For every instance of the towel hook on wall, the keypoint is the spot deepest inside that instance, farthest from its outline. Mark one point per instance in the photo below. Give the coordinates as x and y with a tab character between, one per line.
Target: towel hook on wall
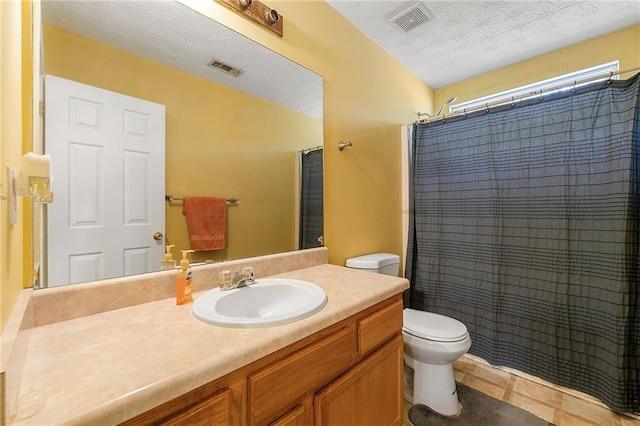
342	145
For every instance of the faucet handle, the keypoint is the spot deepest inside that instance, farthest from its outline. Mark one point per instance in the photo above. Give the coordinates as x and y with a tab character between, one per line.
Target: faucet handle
225	279
247	272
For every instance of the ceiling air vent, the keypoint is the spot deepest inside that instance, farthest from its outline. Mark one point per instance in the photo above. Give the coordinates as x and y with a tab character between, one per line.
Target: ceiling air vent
221	66
411	17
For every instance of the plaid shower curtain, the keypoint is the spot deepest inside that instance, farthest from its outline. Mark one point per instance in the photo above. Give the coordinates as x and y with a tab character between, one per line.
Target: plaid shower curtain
311	200
525	226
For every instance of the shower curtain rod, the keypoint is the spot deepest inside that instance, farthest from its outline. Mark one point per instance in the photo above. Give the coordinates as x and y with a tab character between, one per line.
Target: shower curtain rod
507	99
315	148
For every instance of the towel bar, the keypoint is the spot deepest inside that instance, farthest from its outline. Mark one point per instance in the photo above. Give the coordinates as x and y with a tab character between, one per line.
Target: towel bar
170	198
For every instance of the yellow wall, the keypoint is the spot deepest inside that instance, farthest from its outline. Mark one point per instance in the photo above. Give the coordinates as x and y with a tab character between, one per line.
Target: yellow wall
623	45
11	237
219	142
368	95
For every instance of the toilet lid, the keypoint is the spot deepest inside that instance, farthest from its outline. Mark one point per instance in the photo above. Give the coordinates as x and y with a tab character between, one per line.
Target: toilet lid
428	325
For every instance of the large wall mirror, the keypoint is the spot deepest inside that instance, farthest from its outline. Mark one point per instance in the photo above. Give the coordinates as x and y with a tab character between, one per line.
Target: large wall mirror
236	130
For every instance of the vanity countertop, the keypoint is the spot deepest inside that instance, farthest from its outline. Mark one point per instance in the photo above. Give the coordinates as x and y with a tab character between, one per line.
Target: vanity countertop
109	367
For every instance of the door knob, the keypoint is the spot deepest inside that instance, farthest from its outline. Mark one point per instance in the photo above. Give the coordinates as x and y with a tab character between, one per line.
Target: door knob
158	236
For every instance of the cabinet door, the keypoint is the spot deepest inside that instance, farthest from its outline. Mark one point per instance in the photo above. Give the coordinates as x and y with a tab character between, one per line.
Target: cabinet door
369	394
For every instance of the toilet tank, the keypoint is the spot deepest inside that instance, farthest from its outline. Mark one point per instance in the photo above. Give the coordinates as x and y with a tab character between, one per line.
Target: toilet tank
381	263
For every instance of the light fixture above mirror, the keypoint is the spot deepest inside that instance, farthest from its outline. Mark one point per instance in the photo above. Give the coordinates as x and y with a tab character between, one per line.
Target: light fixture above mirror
259	13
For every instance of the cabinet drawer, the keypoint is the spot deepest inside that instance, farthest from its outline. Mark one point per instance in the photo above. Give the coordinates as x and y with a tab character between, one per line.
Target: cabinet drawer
198	407
210	412
379	327
279	386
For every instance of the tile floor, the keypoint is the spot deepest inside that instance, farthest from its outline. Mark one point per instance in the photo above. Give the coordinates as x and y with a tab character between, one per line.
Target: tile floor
561	406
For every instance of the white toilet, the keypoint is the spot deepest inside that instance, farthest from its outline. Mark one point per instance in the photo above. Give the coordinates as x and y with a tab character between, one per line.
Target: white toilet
431	343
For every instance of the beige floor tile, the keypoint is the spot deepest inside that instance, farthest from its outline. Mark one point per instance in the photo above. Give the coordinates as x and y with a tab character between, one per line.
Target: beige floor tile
407	407
627	421
535	391
497	377
536	408
483	386
562	407
557	416
459	375
559	400
569	420
464	364
588	411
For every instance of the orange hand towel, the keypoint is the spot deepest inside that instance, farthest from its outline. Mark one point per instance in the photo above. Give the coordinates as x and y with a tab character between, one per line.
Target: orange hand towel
206	222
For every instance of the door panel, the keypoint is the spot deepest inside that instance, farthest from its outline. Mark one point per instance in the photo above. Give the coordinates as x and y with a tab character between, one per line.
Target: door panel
107	165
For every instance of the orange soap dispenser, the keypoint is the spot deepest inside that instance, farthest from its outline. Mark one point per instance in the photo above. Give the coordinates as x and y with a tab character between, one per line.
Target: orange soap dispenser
183	286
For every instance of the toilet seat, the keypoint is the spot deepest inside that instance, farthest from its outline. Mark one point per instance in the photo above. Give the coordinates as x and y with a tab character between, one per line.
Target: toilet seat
430	326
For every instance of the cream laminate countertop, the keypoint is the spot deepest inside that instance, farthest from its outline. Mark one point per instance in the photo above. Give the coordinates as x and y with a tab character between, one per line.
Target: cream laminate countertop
109	367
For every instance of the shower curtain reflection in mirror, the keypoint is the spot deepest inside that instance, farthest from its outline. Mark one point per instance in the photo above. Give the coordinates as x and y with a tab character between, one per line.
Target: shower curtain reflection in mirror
311	199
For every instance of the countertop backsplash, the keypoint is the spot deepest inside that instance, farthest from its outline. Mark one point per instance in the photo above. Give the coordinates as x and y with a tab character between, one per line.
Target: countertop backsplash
79	300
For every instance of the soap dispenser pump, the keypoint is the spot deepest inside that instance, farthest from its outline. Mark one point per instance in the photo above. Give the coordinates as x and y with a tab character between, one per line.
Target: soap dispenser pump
168	262
183	286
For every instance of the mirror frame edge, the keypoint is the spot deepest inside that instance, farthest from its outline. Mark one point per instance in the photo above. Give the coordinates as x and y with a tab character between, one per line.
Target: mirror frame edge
33	270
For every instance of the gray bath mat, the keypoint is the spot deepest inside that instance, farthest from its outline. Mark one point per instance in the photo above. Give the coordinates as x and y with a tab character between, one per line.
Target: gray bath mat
478	409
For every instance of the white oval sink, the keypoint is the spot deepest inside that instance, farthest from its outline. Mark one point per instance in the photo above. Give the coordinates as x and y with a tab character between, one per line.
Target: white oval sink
266	302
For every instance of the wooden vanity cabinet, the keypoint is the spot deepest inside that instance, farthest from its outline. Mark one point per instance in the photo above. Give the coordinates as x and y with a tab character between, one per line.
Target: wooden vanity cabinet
348	374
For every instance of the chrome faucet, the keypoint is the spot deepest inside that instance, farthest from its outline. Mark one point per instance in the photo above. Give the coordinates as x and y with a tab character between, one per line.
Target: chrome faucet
240	279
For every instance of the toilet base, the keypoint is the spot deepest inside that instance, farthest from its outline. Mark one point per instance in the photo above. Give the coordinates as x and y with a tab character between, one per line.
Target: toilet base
408	383
435	387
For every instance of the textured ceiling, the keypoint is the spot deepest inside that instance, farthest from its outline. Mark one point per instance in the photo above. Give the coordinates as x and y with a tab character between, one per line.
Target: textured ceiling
172	34
467	38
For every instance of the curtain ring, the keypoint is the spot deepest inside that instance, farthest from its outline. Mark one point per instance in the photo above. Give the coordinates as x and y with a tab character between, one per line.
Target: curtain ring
574	86
609	79
513	104
465	113
487	107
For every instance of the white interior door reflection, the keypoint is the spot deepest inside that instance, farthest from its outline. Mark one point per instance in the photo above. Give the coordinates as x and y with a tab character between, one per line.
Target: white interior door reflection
108	155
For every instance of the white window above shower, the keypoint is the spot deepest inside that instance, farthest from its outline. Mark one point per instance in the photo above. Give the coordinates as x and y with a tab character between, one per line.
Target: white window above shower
545	86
